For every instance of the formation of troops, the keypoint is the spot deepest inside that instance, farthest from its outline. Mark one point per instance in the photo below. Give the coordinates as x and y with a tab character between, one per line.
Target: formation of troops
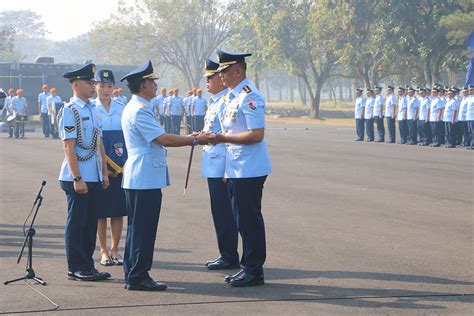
115	166
426	116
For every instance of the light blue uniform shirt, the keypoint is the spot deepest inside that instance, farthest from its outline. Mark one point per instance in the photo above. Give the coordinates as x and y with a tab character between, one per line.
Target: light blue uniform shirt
470	108
369	108
176	105
111	120
20	105
379	100
160	103
412	104
154	105
91	170
8	105
42	99
245	110
424	107
122	99
359	105
436	105
52	100
402	106
390	102
199	106
451	106
167	104
146	166
463	109
187	105
213	156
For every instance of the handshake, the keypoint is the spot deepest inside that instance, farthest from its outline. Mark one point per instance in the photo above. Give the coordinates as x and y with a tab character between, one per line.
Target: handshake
208	138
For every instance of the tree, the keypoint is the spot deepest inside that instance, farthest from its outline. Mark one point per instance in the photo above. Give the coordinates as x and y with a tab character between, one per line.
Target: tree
301	36
179	33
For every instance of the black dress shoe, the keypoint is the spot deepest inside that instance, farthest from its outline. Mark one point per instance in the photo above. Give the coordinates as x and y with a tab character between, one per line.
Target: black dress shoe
83	275
221	264
212	261
245	279
101	275
147	285
229	277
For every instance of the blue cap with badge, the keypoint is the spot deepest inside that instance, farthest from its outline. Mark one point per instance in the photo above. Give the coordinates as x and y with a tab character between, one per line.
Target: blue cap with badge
104	76
211	68
145	71
227	59
84	73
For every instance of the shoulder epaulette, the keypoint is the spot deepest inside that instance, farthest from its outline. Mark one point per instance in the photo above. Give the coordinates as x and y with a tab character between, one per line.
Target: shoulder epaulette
247	89
143	104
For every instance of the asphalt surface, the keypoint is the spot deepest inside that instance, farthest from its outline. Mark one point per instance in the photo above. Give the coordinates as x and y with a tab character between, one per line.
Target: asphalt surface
352	228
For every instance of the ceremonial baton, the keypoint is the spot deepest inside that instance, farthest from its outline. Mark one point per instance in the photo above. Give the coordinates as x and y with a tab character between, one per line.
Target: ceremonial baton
189	165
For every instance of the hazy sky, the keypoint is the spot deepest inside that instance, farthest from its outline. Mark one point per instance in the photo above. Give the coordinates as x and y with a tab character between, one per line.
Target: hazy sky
66	18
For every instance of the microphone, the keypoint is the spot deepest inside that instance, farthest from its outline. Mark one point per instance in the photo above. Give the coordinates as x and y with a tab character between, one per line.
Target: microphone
38	196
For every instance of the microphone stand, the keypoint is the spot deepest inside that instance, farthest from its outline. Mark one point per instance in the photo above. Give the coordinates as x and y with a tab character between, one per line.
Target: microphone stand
30	273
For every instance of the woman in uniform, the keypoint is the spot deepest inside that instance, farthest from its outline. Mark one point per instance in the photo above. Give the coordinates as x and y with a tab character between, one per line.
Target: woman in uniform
111	202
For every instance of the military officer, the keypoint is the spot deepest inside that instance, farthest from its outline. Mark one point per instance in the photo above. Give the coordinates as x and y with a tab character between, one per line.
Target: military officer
470	115
160	100
359	114
413	105
82	170
53	101
199	109
20	106
43	110
390	104
424	130
402	115
369	115
435	112
213	168
111	202
466	141
145	174
378	113
450	118
9	112
176	111
187	111
166	109
247	163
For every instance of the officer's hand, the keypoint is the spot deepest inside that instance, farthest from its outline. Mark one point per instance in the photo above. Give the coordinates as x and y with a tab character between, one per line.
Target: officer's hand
105	182
80	187
218	138
194	134
204	139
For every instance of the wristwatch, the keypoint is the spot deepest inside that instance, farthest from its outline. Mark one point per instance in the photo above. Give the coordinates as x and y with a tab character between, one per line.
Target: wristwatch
78	178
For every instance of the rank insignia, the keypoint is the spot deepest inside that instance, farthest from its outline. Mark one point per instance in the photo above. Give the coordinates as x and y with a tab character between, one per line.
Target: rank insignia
105	74
252	105
69	129
118	149
247	89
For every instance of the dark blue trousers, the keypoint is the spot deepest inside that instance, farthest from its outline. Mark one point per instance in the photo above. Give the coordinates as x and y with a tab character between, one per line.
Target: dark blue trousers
224	220
246	198
81	226
369	128
143	209
412	132
45	124
189	124
360	128
424	132
391	129
435	132
380	128
450	132
176	124
162	121
442	133
466	137
459	133
470	127
403	128
168	127
198	123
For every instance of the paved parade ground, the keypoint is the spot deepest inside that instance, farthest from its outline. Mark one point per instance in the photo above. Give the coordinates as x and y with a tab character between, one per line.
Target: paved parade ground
352	228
